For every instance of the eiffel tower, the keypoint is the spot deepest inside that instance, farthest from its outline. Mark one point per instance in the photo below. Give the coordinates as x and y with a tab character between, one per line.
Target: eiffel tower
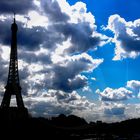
13	84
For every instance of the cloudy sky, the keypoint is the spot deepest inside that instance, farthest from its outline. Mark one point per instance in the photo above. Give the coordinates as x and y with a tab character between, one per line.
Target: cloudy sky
75	57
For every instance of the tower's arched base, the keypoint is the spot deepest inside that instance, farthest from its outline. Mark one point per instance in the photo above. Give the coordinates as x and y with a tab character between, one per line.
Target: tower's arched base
13	113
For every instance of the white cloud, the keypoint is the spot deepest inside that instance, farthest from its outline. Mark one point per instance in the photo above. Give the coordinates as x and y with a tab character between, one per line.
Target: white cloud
53	102
113	106
114	109
56	102
36	19
134	85
86	89
77	12
126	37
93	78
110	94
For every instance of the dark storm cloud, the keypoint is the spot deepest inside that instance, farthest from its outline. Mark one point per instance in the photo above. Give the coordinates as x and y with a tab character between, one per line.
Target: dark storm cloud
31	57
16	6
65	80
80	35
61	78
53	11
5	34
30	38
36	37
66	77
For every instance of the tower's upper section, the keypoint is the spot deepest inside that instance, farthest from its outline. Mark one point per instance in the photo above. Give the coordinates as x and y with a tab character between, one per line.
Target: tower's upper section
14	26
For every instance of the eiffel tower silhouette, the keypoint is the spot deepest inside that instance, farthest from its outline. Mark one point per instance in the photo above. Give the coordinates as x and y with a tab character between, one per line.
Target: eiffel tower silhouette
13	84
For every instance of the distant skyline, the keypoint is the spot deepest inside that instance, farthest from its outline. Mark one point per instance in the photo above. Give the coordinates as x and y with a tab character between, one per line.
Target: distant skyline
75	57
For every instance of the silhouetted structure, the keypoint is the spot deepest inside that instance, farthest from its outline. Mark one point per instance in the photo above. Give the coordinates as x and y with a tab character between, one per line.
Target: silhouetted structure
13	84
69	128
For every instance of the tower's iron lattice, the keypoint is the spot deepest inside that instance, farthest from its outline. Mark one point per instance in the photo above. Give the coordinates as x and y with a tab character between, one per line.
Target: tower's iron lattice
13	84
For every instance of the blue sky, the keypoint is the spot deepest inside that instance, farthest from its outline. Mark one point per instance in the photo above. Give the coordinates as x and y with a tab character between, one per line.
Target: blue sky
75	57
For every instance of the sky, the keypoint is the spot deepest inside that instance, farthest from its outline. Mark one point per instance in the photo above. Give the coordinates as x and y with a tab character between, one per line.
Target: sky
75	57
